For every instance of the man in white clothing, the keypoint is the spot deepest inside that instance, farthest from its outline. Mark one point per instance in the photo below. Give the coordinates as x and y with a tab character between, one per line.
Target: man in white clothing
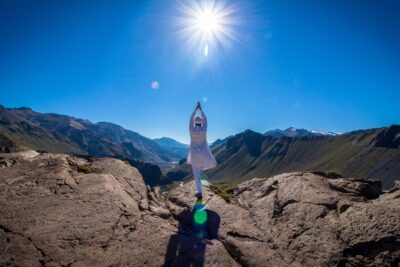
200	156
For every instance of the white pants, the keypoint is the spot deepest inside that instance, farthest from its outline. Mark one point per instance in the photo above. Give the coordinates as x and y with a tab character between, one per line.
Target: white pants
197	179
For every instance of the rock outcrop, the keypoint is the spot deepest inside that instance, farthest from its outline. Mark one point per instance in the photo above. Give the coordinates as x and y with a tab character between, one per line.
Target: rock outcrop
58	210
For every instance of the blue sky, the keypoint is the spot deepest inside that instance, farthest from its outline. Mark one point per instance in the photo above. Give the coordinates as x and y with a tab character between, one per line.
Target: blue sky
323	65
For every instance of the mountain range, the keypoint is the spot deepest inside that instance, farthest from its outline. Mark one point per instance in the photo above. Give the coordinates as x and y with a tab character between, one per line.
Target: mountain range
278	133
23	128
373	153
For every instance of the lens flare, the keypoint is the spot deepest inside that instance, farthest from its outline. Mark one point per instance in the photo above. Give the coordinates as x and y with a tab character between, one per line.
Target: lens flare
200	216
200	213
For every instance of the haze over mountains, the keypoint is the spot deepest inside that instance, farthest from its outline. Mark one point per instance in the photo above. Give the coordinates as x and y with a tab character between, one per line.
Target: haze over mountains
174	146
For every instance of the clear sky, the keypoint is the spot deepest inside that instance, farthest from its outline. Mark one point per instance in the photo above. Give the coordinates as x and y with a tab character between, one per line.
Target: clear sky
323	65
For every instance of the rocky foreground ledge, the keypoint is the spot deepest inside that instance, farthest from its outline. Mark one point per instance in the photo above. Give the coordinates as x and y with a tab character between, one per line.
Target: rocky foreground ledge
58	210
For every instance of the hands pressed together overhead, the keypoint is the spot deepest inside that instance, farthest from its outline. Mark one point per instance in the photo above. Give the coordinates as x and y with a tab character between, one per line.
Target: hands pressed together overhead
198	105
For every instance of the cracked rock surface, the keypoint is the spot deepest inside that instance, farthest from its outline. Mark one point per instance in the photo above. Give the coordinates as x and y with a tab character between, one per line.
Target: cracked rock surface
52	214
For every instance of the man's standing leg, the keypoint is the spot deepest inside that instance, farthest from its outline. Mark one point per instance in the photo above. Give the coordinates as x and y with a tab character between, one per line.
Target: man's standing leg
197	179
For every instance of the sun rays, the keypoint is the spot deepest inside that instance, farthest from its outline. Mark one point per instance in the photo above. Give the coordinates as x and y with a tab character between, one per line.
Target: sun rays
206	27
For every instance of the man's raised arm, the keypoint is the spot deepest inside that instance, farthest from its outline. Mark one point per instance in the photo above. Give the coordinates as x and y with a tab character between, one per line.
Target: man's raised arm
191	119
204	118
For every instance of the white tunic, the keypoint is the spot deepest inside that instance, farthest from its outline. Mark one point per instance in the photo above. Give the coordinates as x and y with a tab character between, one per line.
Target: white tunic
199	153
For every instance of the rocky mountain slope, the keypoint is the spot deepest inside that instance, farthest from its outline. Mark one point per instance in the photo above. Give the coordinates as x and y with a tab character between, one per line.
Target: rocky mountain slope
23	128
58	210
373	154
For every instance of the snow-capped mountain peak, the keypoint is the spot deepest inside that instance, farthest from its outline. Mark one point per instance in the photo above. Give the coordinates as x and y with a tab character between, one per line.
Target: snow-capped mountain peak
295	132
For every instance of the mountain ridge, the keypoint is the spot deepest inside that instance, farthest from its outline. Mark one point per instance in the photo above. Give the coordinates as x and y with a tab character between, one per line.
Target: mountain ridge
298	132
25	128
374	154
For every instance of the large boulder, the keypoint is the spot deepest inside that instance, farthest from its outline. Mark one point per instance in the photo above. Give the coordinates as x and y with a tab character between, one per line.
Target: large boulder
57	210
302	219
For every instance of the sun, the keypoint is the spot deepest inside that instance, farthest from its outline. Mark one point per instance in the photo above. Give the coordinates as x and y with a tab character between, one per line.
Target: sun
206	26
208	21
209	25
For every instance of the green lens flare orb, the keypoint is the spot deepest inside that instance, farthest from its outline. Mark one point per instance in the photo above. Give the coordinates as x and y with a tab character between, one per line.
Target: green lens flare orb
200	216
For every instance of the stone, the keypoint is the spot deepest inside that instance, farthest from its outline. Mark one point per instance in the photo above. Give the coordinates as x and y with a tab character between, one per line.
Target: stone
53	215
302	219
161	212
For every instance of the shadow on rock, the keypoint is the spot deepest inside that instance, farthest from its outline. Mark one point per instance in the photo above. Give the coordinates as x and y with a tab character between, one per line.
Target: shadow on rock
197	227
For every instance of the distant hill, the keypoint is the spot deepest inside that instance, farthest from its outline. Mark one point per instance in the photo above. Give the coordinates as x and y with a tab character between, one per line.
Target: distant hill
174	146
22	128
374	154
294	132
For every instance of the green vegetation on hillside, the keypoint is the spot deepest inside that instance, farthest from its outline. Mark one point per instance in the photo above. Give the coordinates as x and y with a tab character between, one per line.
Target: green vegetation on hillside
85	169
328	174
224	190
126	162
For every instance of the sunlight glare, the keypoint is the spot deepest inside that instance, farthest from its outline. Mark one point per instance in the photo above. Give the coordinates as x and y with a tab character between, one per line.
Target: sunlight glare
206	26
208	21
